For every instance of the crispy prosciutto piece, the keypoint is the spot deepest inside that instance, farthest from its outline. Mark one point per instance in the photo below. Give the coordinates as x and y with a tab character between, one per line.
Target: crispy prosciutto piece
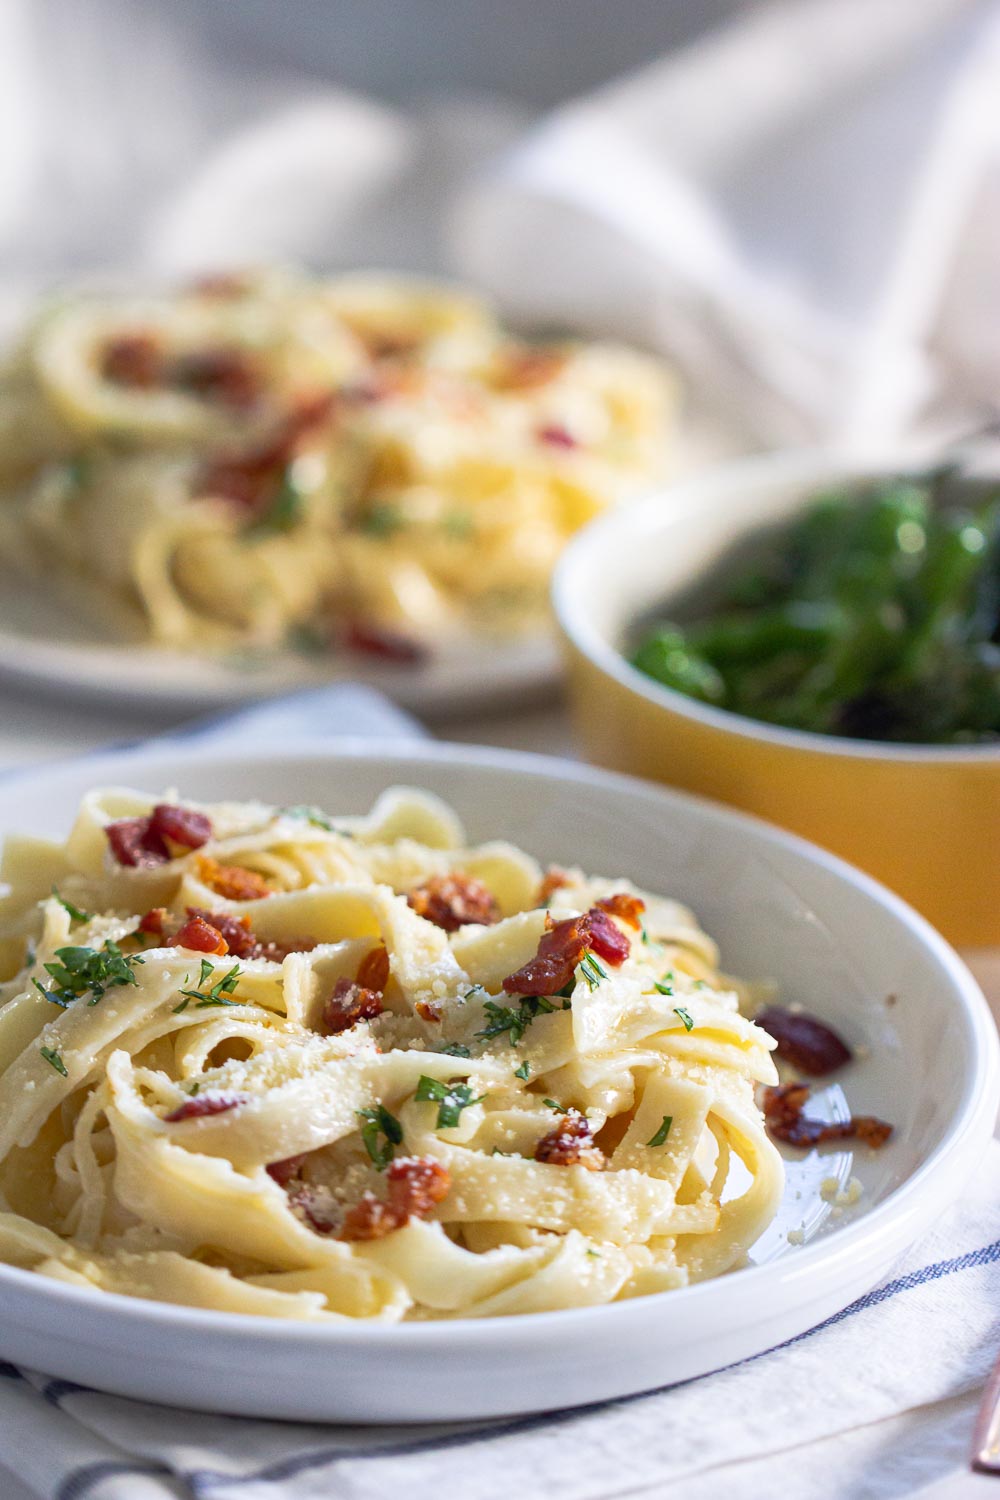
243	942
236	931
314	1207
559	951
349	1004
373	640
165	833
373	971
132	359
232	882
454	900
359	999
557	436
250	478
803	1041
202	1105
179	825
416	1184
527	369
571	1144
227	931
607	940
285	1171
562	947
220	374
553	880
783	1114
625	906
226	376
200	936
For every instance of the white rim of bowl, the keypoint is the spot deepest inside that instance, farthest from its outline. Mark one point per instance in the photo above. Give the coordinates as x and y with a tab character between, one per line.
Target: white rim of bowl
573	585
841	1248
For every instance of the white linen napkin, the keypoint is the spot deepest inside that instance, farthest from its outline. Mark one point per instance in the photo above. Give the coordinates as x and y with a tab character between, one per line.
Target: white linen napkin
874	1402
802	209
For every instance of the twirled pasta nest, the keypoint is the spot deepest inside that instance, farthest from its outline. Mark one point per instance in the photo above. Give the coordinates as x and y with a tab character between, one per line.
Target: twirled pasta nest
271	1061
270	460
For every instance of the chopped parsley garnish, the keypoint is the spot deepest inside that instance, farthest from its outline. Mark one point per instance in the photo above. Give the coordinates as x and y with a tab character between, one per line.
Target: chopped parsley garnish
513	1021
284	511
379	1122
594	1254
74	912
665	986
560	1109
457	524
685	1016
523	1071
450	1098
313	815
83	969
662	1133
77	471
644	934
592	971
382	520
54	1060
455	1049
218	994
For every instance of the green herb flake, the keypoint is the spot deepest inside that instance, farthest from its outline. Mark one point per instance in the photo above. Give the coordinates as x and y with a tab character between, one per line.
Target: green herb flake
450	1098
594	1255
379	1122
685	1016
53	1059
514	1021
664	986
560	1109
523	1071
664	1130
74	912
284	512
592	971
455	1049
219	993
311	815
382	520
80	971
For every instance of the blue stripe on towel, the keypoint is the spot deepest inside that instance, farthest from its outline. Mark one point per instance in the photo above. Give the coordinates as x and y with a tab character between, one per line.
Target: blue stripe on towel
202	1481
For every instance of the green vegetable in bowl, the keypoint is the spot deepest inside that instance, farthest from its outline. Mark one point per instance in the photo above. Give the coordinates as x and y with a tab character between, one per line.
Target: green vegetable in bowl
876	616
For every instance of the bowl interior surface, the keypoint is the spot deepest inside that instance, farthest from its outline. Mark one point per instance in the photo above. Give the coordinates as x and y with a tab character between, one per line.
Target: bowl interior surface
829	939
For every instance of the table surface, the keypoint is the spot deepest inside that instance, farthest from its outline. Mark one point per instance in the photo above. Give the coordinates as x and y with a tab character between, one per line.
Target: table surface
36	729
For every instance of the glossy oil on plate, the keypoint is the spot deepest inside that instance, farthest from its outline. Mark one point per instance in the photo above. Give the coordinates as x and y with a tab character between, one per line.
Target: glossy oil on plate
47	645
830	938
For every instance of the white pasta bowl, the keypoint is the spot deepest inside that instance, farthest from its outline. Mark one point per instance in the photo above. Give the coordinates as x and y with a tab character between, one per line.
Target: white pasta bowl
830	937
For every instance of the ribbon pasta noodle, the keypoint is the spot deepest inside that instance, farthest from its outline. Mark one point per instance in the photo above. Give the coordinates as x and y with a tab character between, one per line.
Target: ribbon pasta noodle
270	460
272	1061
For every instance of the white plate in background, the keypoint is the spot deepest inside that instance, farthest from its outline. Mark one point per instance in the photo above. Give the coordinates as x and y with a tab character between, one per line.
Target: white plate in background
47	646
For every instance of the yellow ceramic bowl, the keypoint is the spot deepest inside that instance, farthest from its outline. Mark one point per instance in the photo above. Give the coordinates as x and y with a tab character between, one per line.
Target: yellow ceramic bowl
926	820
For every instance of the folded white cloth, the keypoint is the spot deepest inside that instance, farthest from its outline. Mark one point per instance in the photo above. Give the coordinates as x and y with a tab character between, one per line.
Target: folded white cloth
874	1402
802	209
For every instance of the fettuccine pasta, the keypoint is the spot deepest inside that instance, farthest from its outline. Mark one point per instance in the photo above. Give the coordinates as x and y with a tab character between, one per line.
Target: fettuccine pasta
272	460
266	1060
